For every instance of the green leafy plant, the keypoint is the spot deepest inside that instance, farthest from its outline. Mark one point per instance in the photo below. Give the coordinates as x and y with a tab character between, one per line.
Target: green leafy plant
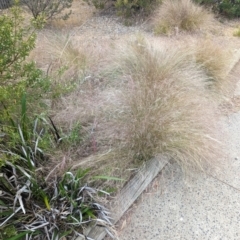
48	9
37	206
126	7
129	7
74	136
19	78
228	8
54	209
16	74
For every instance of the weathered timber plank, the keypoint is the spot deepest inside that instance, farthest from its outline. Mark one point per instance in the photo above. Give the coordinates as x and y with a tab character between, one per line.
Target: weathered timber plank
131	192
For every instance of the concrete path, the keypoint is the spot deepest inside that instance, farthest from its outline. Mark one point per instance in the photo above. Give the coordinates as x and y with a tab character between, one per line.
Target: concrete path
198	208
201	207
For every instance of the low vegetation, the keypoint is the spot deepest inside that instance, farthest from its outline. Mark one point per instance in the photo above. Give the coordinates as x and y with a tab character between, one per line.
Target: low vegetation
226	8
60	60
180	15
48	9
72	109
36	202
126	8
166	108
216	61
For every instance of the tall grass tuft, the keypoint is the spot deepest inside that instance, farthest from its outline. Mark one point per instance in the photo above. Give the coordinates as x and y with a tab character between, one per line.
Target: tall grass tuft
181	15
63	62
216	61
165	105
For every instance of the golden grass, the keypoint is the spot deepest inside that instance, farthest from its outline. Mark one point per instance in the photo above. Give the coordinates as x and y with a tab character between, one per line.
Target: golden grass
217	61
157	102
55	49
165	108
80	13
177	15
154	102
63	62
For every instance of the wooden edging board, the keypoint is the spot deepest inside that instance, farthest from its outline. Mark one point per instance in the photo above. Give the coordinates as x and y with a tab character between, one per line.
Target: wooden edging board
132	190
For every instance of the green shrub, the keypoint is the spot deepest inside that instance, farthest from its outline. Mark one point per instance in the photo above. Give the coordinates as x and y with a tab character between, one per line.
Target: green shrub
19	79
16	74
48	9
228	8
126	7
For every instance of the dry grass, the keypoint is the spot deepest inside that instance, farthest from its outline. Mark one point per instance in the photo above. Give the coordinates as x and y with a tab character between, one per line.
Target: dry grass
157	102
217	61
177	15
56	49
64	63
154	102
165	108
80	13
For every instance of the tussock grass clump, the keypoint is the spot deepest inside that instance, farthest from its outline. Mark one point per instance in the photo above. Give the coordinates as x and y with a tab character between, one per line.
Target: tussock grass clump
57	56
80	12
181	15
166	107
55	50
216	61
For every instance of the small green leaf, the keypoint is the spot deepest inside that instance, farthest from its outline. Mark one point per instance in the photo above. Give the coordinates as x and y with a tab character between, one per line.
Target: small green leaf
108	178
19	236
